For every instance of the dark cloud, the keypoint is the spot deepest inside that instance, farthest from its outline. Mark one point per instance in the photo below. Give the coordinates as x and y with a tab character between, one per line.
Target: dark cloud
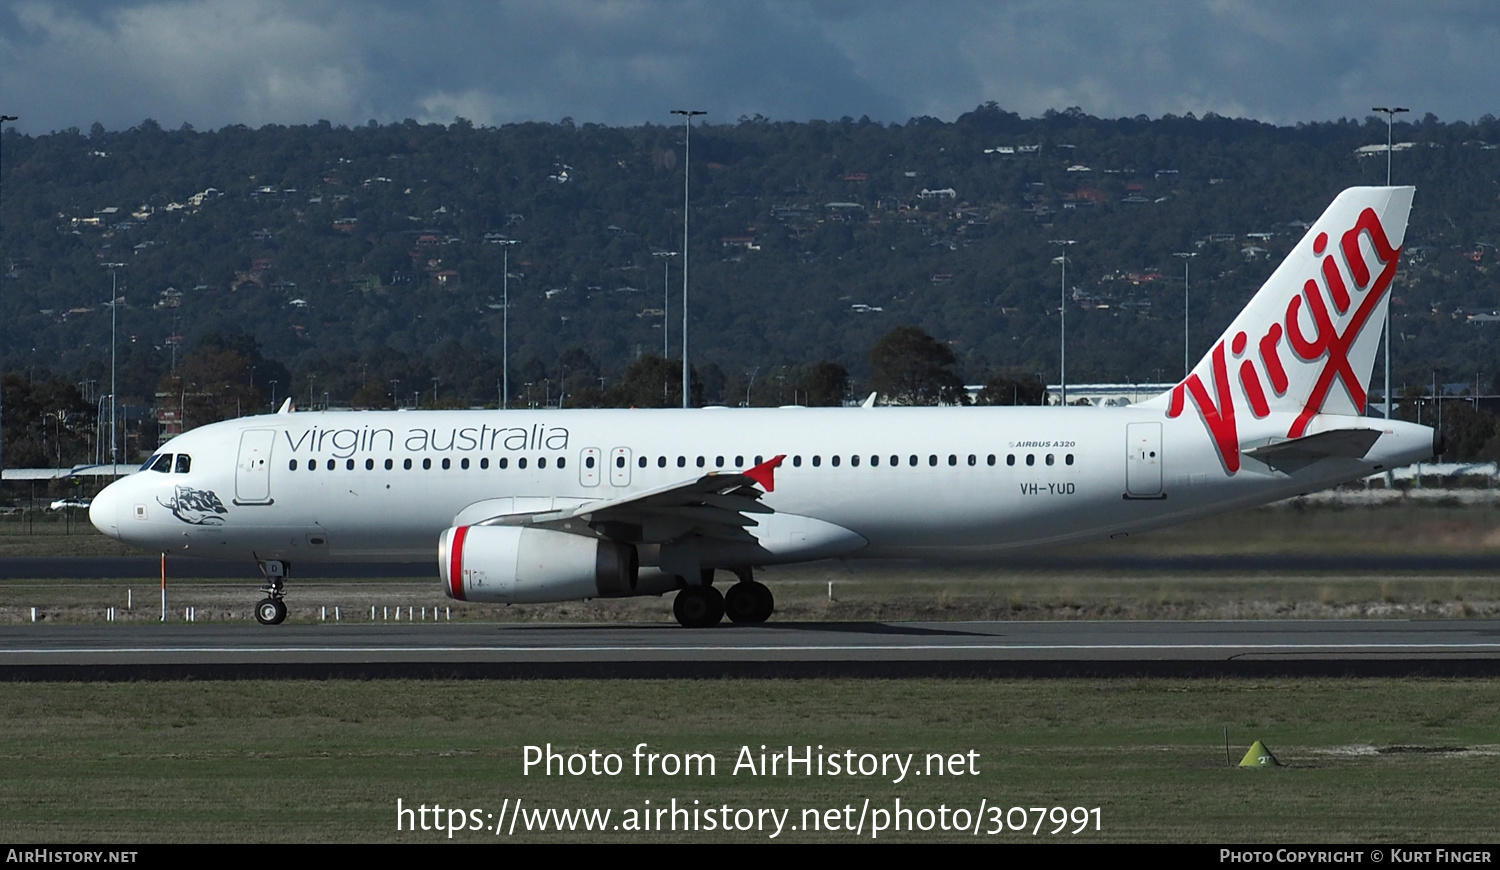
216	62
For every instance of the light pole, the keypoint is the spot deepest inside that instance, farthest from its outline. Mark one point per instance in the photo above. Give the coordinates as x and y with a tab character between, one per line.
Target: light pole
687	156
666	299
1187	361
1390	122
1062	312
114	307
505	328
3	119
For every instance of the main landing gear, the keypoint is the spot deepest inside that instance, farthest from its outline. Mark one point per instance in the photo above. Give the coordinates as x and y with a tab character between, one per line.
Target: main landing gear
272	609
747	602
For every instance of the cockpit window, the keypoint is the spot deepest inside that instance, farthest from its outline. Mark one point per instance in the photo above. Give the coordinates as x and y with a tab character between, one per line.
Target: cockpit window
184	463
163	463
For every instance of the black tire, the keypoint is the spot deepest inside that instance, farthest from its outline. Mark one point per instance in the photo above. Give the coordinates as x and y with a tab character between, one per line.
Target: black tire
270	611
765	602
749	603
698	607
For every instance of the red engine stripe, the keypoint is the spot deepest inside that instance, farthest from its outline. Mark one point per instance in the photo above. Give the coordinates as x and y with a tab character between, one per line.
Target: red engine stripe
456	562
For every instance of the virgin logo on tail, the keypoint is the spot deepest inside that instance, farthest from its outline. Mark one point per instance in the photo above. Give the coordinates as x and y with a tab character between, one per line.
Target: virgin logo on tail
1297	342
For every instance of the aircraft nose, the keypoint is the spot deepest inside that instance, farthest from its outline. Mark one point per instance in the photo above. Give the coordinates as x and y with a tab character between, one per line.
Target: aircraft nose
104	512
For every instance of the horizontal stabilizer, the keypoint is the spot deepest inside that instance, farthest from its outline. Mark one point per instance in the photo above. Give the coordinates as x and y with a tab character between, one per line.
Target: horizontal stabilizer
1298	453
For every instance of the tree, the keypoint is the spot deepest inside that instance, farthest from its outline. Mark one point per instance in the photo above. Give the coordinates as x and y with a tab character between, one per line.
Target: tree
824	385
653	382
213	384
910	367
1006	390
47	423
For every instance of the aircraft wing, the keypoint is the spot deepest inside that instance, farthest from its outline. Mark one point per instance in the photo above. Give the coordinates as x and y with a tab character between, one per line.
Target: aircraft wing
1298	453
716	505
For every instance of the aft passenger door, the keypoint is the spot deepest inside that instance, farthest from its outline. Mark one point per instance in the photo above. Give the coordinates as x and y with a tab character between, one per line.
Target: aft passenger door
1143	460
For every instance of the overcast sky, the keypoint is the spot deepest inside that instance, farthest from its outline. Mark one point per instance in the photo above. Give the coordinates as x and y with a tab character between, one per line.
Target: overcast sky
210	63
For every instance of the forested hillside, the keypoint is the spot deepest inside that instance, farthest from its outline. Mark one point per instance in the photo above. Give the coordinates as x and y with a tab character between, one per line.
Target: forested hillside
364	265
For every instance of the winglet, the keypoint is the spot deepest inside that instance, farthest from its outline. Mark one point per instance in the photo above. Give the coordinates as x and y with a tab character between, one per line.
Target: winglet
765	473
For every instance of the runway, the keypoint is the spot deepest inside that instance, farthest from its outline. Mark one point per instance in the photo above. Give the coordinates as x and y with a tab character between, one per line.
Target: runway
775	650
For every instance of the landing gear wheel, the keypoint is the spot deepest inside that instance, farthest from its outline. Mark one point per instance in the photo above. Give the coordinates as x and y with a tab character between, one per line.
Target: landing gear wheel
749	602
698	607
270	611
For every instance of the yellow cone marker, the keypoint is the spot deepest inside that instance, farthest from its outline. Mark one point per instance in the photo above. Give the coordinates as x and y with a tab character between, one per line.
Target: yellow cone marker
1259	756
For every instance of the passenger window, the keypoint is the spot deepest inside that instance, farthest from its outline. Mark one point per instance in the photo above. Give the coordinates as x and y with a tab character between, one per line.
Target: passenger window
797	461
701	462
1049	458
640	463
292	466
349	465
332	465
521	463
739	462
562	462
426	464
1068	459
661	462
503	463
184	463
406	464
388	464
484	462
853	461
588	462
464	463
973	460
817	461
952	460
932	459
541	462
758	459
913	462
874	461
682	462
718	462
835	461
1010	459
895	461
369	465
447	463
619	462
1031	459
992	459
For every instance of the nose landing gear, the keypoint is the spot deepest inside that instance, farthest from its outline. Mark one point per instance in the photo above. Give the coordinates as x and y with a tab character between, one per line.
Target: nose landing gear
272	609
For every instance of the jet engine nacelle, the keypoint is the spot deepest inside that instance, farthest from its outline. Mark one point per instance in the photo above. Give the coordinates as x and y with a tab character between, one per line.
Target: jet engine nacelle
521	564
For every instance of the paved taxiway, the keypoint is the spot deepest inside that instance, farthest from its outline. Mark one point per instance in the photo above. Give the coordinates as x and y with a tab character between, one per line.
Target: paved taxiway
376	650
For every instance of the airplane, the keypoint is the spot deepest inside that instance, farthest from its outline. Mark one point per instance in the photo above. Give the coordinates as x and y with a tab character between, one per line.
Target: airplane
552	505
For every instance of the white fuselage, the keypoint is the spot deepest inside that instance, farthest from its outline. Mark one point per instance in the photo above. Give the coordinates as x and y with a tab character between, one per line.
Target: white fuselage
908	482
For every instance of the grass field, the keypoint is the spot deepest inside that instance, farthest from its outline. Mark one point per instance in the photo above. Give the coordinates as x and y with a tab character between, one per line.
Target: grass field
855	590
1407	761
